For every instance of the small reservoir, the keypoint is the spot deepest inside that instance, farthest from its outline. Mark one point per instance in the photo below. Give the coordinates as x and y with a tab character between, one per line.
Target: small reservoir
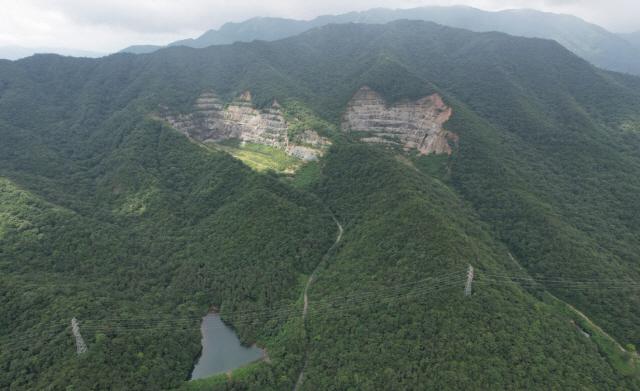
221	349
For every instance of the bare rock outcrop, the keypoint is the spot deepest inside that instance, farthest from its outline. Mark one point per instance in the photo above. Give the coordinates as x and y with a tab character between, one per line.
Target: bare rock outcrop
410	125
210	121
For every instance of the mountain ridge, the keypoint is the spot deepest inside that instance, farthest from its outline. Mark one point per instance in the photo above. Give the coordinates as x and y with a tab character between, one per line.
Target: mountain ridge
545	168
588	40
632	38
18	52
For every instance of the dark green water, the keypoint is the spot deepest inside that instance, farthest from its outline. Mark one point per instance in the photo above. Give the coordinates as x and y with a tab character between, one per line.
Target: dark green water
221	349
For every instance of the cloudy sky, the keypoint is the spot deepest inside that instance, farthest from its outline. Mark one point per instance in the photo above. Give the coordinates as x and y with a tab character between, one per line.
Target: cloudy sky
109	25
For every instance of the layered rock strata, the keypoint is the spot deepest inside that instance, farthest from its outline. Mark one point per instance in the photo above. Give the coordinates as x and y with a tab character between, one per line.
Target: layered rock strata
416	125
210	121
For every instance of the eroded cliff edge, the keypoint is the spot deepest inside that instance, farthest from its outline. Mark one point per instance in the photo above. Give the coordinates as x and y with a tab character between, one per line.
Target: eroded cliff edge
411	125
211	121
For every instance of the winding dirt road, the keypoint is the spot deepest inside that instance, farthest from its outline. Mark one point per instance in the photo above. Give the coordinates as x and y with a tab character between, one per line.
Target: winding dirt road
305	307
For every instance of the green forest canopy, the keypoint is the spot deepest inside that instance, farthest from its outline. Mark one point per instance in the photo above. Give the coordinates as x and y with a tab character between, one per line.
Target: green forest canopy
108	214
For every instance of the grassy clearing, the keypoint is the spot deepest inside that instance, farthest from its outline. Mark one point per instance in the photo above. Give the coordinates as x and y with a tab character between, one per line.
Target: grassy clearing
307	175
260	157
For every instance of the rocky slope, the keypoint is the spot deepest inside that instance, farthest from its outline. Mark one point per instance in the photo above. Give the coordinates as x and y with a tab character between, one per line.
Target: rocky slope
410	125
210	121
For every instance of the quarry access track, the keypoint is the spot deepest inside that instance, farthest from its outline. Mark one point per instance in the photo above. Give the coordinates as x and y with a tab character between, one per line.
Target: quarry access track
305	307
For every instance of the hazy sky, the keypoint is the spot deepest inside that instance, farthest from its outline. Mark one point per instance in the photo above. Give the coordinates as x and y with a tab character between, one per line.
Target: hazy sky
109	25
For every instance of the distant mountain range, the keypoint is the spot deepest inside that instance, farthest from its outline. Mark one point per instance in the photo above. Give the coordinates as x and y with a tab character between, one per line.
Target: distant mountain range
589	41
17	52
632	38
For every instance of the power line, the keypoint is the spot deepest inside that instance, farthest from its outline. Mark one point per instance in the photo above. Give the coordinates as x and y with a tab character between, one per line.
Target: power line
291	310
561	280
337	308
447	276
329	305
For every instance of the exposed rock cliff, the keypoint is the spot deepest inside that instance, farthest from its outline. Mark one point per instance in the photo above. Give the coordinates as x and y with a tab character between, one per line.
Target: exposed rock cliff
210	121
410	125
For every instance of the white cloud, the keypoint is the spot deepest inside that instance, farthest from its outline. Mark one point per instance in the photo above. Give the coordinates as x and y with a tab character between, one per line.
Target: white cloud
109	25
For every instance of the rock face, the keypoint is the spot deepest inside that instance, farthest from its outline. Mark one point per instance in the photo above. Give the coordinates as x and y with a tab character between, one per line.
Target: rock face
410	125
210	121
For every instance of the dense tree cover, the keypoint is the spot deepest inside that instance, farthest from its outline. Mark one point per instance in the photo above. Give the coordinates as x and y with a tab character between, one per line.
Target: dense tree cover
169	230
110	216
402	226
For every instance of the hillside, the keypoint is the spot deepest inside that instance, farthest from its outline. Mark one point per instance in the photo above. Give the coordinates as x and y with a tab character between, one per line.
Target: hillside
268	29
18	52
632	38
140	49
591	42
113	216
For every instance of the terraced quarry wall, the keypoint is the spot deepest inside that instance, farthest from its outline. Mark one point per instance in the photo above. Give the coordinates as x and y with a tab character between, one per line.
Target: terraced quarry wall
416	125
210	121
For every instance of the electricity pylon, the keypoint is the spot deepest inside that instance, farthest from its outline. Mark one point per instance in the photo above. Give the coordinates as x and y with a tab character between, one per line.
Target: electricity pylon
467	288
81	347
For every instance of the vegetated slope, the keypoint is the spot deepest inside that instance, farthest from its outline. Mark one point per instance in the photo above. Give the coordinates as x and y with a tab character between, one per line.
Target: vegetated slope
546	167
632	38
137	232
141	49
267	29
557	179
405	321
18	52
591	42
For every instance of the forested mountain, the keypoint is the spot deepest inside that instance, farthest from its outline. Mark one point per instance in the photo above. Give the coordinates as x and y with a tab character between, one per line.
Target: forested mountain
632	38
141	49
111	215
17	52
589	41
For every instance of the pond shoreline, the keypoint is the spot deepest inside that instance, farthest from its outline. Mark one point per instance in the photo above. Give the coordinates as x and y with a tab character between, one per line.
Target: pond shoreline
221	350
